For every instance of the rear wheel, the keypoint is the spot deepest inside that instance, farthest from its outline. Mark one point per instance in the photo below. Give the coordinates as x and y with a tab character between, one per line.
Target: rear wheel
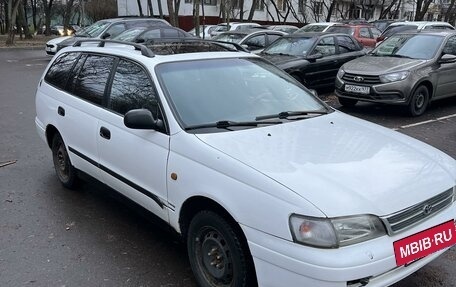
216	251
65	171
419	101
347	102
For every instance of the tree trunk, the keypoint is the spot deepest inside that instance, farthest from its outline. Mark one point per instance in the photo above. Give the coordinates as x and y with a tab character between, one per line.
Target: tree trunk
160	9
330	10
140	8
170	4
33	5
67	15
241	10
449	11
13	6
48	13
149	6
422	7
252	10
196	17
22	20
176	12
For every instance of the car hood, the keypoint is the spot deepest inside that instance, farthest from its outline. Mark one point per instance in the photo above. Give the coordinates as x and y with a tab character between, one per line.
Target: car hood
283	60
341	164
372	65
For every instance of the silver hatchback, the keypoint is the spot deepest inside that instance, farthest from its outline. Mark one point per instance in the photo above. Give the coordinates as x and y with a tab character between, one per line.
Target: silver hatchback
410	69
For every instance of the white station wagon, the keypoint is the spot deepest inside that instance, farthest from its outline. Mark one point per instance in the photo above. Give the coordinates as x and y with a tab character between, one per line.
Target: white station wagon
267	185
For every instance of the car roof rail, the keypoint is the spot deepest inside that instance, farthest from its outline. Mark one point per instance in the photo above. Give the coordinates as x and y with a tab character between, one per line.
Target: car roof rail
101	43
204	44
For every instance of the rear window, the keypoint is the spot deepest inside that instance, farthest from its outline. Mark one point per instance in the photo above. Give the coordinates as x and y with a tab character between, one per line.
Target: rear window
391	30
57	74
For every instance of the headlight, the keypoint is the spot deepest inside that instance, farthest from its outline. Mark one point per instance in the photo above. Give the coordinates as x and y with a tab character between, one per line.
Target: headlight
394	77
335	232
341	73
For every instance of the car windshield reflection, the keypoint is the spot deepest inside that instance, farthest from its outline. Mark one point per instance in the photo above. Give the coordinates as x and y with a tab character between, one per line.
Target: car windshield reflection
413	46
292	46
227	90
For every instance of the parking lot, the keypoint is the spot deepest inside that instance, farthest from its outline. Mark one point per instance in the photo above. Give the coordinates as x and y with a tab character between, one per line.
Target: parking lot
50	236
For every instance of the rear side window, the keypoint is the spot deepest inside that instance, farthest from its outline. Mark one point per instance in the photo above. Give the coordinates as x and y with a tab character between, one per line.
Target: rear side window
132	89
57	74
364	33
91	81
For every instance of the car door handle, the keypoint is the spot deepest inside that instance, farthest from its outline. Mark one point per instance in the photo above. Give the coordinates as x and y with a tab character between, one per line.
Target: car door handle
105	133
61	111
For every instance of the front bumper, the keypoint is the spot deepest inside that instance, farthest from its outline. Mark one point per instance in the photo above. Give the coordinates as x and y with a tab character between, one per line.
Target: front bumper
51	49
396	93
280	262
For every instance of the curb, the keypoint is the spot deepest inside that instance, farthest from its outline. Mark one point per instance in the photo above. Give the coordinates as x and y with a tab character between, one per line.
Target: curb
23	48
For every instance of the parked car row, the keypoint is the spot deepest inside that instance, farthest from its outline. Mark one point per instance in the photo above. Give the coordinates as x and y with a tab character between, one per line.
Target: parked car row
265	183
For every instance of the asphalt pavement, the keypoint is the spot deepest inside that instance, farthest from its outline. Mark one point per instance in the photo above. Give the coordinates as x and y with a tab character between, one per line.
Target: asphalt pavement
50	236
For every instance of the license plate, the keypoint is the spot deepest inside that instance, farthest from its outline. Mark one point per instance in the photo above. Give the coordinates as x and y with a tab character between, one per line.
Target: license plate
357	89
424	243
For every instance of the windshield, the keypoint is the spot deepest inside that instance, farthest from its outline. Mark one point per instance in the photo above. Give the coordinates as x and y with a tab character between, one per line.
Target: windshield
237	90
129	35
414	46
228	37
93	30
291	46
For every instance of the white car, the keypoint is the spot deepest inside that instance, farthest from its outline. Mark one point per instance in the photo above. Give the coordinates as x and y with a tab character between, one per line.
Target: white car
51	45
205	31
316	27
234	26
267	185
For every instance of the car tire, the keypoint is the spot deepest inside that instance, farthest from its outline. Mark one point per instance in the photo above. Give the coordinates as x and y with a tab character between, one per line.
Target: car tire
66	172
218	256
347	102
419	101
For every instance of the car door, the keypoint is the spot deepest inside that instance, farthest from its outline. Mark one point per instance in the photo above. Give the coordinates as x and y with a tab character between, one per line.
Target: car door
365	37
446	73
347	49
87	83
133	161
255	43
322	71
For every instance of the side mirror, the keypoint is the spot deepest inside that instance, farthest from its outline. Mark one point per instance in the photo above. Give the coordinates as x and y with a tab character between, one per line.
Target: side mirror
142	119
447	58
315	56
105	36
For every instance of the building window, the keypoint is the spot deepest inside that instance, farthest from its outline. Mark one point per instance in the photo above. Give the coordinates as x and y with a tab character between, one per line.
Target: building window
282	5
318	8
259	5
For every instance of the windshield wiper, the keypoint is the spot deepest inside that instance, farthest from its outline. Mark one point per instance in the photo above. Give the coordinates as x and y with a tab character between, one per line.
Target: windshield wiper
400	56
227	124
287	114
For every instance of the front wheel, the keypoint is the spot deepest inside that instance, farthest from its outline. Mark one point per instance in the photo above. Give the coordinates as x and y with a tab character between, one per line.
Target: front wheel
65	171
419	101
216	251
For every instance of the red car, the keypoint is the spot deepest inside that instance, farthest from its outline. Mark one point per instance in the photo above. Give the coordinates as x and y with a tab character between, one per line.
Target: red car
366	34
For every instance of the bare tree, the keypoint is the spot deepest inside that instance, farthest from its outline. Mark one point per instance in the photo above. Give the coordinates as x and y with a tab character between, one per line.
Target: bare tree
12	9
67	15
252	10
47	5
173	11
149	6
450	11
140	8
160	8
22	24
101	9
422	7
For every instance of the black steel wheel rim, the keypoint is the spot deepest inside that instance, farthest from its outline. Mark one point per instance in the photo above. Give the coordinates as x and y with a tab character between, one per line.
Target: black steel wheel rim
213	256
61	162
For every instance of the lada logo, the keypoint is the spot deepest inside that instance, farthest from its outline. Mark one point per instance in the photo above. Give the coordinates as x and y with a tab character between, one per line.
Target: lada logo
427	209
358	79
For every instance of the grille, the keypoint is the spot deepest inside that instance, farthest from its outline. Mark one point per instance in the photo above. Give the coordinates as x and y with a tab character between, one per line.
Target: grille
371	80
415	214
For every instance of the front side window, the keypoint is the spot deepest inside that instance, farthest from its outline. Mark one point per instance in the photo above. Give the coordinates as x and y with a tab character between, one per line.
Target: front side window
58	73
91	82
93	30
116	29
450	46
207	91
325	46
132	89
346	44
256	42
